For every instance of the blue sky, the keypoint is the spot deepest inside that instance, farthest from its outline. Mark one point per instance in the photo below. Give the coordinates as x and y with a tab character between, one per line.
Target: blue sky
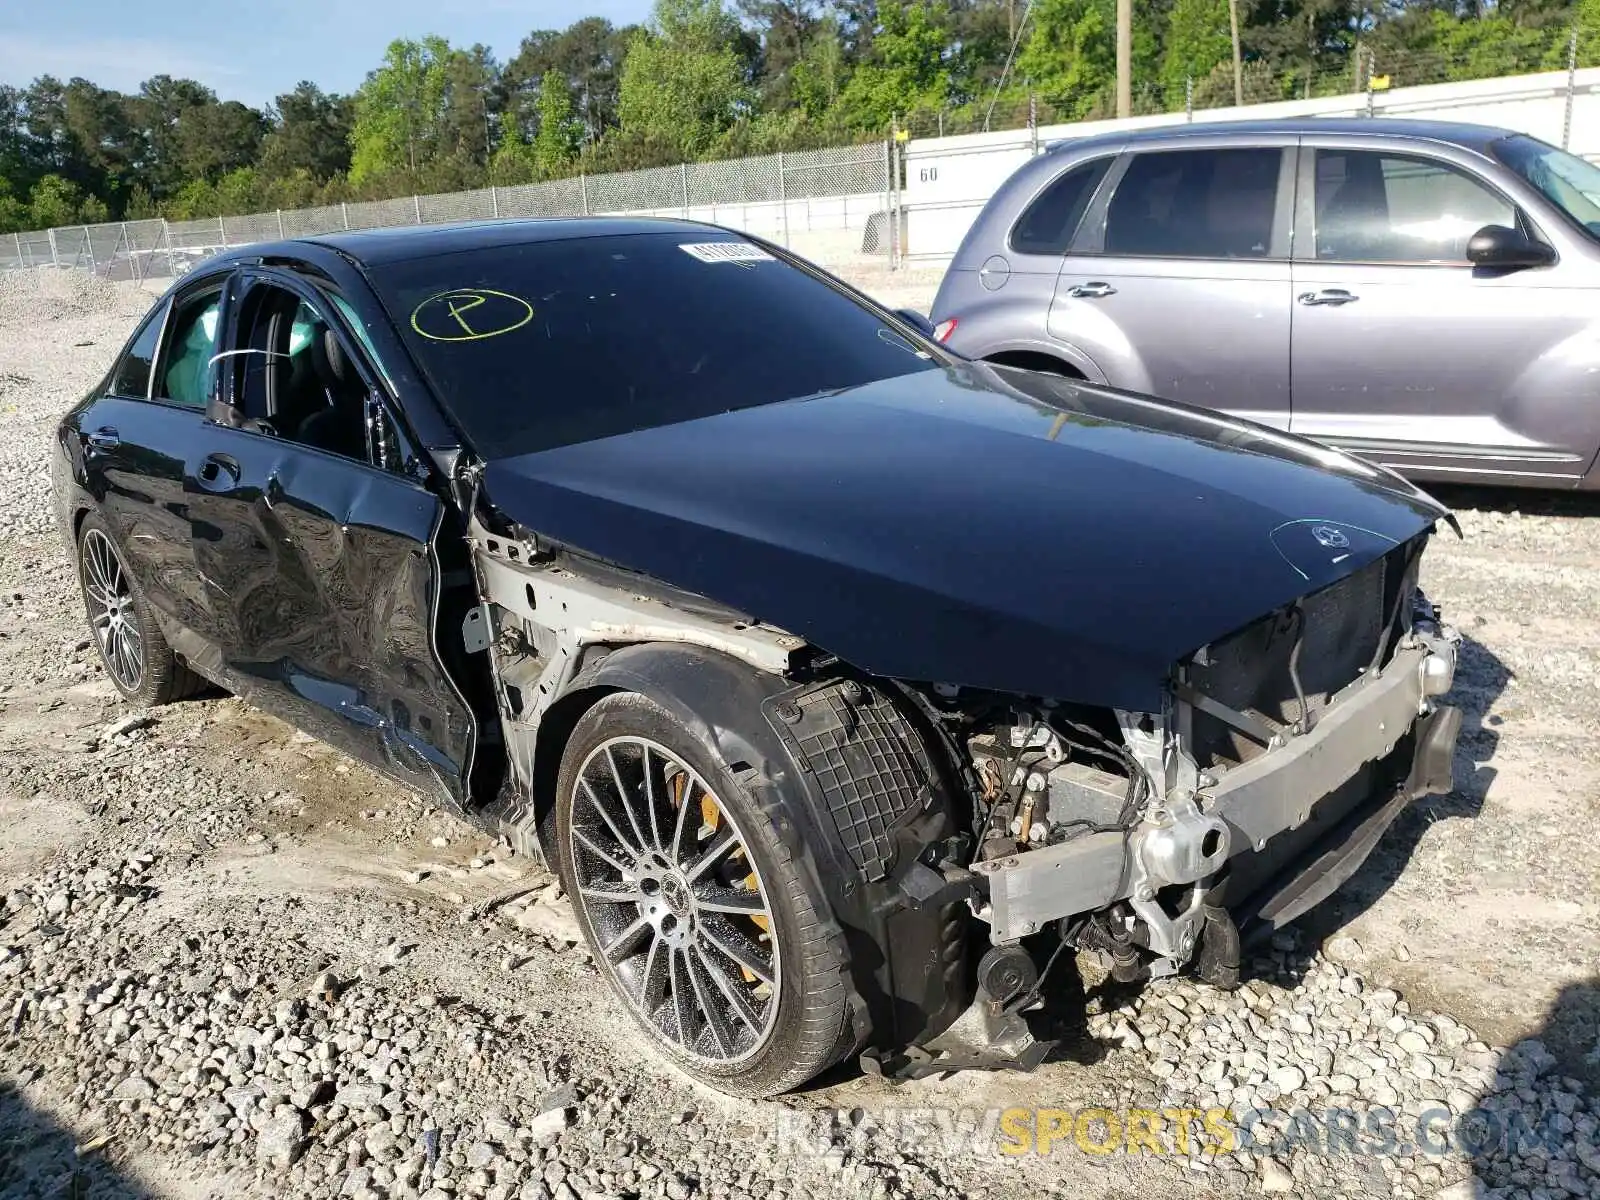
253	52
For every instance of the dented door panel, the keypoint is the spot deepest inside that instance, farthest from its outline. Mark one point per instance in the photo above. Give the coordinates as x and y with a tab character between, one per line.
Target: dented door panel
321	582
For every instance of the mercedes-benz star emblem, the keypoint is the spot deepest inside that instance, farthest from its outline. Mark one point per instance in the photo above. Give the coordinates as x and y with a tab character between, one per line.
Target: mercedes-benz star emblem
1333	539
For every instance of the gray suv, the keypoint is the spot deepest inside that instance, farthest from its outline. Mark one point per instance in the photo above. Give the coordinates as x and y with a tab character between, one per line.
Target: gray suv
1422	293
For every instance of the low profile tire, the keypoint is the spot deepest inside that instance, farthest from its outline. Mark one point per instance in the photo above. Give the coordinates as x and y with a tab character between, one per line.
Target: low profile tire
694	908
136	657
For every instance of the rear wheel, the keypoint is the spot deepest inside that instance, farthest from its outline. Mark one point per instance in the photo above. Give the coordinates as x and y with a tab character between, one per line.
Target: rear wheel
136	657
693	906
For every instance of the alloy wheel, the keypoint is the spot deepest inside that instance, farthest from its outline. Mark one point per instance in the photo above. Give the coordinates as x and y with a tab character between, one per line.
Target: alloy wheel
674	901
110	600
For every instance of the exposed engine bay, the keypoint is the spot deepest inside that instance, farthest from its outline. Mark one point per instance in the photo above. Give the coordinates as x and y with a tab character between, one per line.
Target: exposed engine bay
1143	843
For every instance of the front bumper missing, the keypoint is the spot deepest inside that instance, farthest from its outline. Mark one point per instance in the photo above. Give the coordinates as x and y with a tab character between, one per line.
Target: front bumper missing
1256	802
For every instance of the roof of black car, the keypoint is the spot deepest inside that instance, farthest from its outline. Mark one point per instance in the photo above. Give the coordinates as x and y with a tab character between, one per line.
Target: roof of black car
1455	132
398	243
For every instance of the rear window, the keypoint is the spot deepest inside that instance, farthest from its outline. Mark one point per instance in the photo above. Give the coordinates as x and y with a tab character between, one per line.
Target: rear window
547	344
1048	223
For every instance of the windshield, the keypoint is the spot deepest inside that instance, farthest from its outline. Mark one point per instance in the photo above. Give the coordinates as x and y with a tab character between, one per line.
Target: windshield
1567	181
551	343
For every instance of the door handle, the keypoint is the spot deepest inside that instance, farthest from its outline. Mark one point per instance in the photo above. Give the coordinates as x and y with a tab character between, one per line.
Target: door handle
1333	296
1092	291
102	439
219	471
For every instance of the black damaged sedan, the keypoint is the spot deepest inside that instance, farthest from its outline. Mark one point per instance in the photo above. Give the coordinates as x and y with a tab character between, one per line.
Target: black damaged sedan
865	698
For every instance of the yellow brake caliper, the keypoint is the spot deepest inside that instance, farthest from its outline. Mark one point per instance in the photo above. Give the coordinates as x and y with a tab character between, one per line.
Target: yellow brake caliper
710	818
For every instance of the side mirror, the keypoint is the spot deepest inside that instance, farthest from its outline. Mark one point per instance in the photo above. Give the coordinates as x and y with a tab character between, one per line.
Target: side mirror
1505	249
917	320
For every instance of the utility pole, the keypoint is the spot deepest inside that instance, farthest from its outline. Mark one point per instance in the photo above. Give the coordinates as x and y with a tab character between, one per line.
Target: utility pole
1124	58
1238	59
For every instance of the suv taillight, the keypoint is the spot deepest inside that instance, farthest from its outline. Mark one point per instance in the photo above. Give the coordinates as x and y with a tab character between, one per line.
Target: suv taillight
943	330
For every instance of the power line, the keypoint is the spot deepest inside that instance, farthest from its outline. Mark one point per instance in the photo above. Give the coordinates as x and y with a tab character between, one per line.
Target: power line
1005	72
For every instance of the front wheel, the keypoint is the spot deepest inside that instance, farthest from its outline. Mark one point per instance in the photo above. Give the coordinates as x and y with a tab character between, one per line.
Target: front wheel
694	907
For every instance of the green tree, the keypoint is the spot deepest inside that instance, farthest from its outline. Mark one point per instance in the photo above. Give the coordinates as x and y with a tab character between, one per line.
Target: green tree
1197	40
1069	55
54	201
192	201
140	205
103	138
683	81
470	107
14	147
161	112
398	111
14	214
909	68
239	192
513	163
784	29
310	133
556	143
589	53
818	79
214	139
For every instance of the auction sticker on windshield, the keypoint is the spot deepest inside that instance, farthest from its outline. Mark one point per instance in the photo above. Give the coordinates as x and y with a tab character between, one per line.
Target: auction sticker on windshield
470	314
719	252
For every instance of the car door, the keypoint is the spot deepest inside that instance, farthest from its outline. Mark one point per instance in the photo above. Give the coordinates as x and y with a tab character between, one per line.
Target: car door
314	531
1406	353
1178	282
135	437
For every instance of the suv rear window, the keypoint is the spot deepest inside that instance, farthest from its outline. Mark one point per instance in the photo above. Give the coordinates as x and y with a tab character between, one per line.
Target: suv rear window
1046	226
551	343
1196	204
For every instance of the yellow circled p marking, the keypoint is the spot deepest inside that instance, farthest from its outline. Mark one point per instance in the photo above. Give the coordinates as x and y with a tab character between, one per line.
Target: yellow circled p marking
458	302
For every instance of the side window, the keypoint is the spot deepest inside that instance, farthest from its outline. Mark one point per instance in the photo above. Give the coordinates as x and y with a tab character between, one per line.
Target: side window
355	323
1195	204
1373	207
1046	226
132	377
184	376
297	378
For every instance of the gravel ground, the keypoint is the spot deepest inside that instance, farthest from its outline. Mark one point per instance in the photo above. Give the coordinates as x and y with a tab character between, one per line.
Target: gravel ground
233	963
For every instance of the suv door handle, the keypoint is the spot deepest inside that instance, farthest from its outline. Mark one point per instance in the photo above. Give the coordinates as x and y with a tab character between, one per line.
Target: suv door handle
1092	291
1333	296
104	438
218	471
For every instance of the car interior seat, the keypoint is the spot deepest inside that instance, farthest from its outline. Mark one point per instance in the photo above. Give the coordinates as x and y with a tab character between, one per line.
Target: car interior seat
1354	220
336	420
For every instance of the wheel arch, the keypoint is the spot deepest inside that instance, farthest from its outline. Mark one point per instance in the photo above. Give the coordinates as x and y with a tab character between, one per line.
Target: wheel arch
902	949
709	693
81	509
1036	360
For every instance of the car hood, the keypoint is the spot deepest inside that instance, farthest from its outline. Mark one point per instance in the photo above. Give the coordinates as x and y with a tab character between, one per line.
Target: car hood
976	526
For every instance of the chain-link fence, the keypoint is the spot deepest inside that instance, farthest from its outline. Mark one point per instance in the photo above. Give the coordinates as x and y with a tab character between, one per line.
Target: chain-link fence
828	205
1362	68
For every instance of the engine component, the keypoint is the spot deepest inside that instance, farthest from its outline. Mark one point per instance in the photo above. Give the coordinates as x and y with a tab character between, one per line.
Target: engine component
1005	973
1081	794
1217	961
1055	797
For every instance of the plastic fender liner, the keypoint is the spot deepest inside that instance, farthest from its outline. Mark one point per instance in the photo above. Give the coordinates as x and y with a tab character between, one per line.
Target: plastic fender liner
904	942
